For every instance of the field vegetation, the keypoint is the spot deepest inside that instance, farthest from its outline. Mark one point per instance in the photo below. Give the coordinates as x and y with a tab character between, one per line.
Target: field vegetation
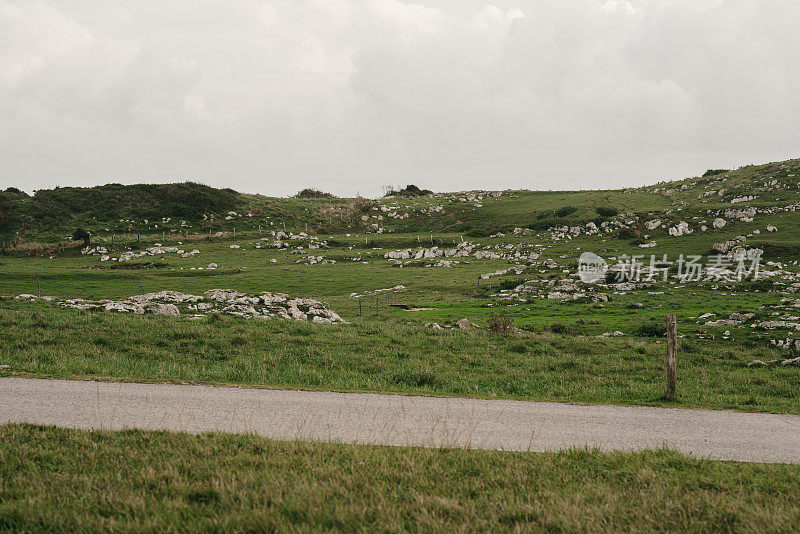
533	330
157	481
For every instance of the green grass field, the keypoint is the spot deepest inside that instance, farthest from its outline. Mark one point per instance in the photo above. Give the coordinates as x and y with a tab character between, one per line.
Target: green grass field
60	480
384	354
557	352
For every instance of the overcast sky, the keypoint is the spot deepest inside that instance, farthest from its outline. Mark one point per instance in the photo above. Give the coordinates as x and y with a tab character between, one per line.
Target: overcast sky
348	96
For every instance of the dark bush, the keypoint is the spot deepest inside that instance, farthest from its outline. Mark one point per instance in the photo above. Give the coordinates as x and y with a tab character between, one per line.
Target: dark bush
651	330
518	348
762	284
410	190
142	201
778	251
500	324
714	172
565	210
81	234
604	211
628	233
510	284
310	192
8	204
562	329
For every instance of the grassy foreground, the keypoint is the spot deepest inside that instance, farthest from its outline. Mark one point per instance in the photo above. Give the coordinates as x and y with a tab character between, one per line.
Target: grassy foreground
71	481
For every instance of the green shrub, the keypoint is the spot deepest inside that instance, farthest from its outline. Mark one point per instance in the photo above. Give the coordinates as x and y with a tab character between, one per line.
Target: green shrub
510	284
188	200
81	234
565	210
310	192
652	330
410	190
562	329
604	211
628	233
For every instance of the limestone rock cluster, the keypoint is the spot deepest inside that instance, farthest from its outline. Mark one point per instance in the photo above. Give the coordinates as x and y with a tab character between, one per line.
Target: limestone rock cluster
221	301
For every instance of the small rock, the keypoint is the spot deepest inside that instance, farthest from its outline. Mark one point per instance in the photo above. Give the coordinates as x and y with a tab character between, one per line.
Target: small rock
463	324
756	363
793	361
163	309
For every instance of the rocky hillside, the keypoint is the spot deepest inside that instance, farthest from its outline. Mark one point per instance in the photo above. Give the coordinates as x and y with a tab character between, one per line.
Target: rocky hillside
188	207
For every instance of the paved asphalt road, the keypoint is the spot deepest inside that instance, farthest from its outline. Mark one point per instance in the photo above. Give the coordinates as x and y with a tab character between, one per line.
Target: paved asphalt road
399	420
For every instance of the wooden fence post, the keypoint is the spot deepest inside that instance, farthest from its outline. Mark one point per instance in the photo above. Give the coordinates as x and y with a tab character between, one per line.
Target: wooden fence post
672	356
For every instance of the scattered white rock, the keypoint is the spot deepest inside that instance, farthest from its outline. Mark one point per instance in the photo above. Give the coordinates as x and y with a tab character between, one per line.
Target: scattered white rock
222	301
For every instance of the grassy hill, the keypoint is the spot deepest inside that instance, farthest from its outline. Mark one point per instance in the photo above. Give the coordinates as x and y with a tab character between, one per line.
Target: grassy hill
575	342
51	214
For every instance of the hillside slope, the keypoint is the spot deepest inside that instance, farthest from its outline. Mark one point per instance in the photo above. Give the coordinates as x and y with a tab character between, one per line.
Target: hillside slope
55	212
188	207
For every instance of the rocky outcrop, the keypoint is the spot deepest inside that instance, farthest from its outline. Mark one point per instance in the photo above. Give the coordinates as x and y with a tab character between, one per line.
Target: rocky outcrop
220	301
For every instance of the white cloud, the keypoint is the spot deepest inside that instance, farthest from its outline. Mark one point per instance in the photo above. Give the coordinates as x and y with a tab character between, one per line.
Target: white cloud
349	95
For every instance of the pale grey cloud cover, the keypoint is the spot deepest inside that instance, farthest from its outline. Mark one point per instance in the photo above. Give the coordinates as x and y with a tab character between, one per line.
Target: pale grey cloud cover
345	95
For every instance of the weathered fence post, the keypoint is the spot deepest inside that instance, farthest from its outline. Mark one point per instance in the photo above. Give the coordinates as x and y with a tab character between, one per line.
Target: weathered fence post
672	356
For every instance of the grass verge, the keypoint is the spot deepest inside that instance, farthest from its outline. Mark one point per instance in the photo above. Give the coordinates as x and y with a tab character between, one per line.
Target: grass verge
62	480
383	356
